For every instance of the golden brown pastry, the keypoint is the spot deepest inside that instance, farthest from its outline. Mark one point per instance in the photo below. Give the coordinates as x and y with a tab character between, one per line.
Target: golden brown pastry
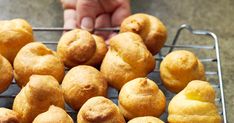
126	59
145	119
141	97
36	58
194	104
150	28
81	83
78	47
99	110
179	68
9	116
6	73
36	97
14	34
53	115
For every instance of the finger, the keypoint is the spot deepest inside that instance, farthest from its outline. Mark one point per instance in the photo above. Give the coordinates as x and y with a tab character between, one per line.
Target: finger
69	18
69	4
103	20
87	10
121	13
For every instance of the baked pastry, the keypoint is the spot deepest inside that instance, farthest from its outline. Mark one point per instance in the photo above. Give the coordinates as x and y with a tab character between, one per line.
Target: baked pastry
141	97
81	83
126	59
9	116
36	58
53	115
180	67
101	49
6	73
78	47
145	119
36	97
99	110
194	104
151	29
14	34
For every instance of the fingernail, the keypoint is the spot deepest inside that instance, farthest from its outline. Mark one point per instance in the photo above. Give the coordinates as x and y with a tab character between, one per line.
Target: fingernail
87	23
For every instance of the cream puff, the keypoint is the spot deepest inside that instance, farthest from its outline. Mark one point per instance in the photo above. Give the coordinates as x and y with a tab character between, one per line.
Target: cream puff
36	58
81	83
141	97
14	34
180	67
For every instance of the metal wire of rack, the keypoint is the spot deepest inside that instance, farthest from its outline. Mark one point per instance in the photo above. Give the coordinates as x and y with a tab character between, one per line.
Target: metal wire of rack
113	94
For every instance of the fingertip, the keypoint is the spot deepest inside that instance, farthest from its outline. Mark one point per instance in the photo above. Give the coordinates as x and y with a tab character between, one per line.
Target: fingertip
69	4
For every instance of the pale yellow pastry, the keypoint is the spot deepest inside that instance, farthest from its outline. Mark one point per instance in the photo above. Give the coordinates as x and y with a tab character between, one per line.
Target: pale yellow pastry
99	110
53	115
141	97
9	116
14	34
6	73
126	59
194	104
78	47
36	58
180	67
81	83
36	97
145	119
150	28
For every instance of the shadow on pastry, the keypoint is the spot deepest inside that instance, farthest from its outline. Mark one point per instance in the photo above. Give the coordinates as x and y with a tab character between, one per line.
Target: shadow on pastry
6	74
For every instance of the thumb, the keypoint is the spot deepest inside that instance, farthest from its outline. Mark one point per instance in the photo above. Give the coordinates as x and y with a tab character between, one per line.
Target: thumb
87	10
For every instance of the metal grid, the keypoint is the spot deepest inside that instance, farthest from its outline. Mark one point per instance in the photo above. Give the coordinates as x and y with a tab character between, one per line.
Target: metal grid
113	94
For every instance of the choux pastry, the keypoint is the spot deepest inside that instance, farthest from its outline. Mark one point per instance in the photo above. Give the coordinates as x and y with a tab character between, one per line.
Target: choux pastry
53	115
141	97
151	29
6	73
14	34
126	59
9	116
36	97
180	67
81	83
36	58
145	119
194	104
78	47
99	110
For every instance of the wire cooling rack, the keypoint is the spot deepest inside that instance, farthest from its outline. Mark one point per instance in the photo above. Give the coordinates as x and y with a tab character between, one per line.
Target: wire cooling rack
210	60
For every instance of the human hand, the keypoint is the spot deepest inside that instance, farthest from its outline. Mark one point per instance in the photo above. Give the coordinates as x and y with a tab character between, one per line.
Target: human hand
90	14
